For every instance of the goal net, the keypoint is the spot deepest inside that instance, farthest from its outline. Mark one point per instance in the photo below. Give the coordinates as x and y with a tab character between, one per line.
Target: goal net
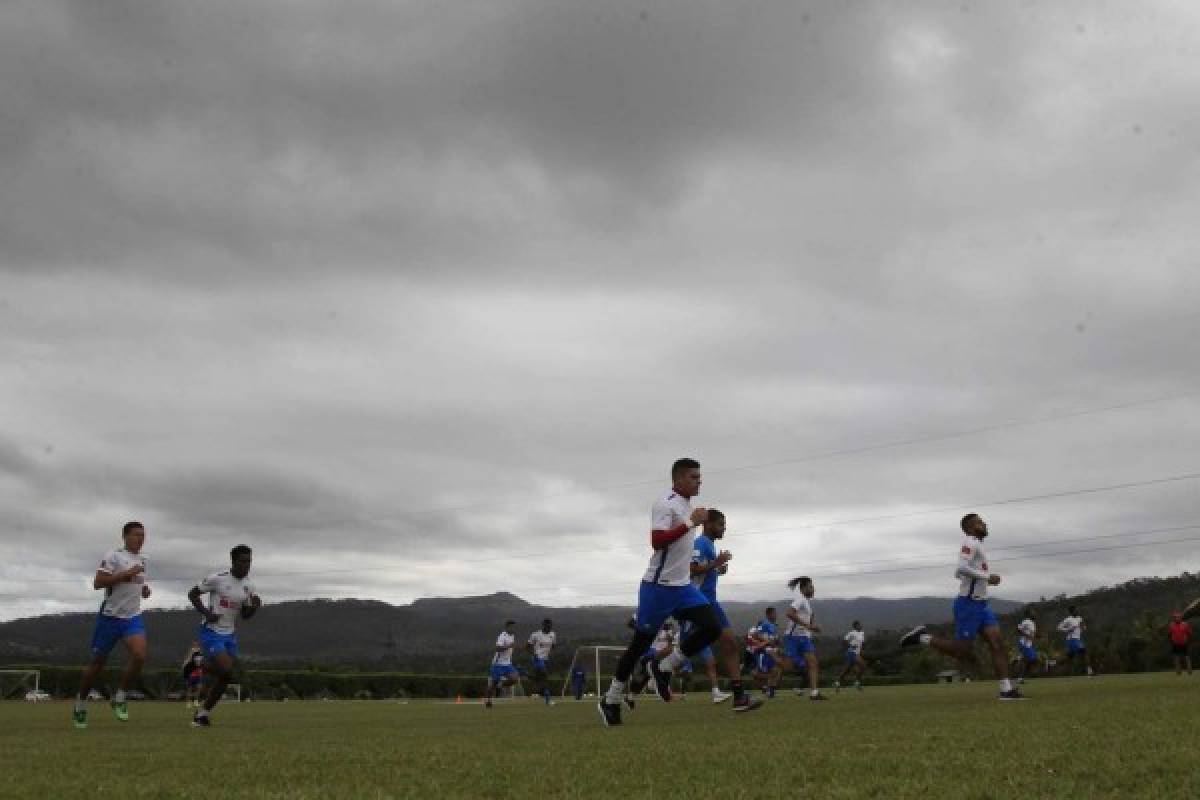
598	664
16	683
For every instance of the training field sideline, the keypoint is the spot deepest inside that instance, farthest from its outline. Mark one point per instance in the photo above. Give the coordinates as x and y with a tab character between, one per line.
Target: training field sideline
1119	737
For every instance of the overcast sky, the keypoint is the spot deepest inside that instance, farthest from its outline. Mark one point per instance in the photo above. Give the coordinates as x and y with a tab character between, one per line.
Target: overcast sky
424	298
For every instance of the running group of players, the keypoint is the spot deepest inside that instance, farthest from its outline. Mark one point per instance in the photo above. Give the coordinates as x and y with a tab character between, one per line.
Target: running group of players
680	583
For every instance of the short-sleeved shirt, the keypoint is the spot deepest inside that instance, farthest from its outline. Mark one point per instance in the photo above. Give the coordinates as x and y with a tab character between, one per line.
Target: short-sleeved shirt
671	565
804	611
542	643
971	556
1027	630
504	646
226	596
704	553
1180	632
1072	627
854	640
123	600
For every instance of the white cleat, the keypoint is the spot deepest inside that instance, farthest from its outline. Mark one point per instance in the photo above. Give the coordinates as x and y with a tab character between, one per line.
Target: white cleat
720	697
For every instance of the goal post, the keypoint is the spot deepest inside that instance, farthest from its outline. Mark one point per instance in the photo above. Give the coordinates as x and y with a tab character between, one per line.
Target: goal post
14	683
598	659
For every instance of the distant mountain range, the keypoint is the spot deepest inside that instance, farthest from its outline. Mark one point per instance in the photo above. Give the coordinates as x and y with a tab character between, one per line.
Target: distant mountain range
430	635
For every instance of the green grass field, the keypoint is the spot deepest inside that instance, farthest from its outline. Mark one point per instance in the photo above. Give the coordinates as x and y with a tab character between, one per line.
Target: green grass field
1118	737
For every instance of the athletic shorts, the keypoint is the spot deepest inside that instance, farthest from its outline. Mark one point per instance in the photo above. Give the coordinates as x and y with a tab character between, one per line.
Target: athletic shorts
851	658
539	664
1075	646
764	662
796	647
971	617
1180	650
110	630
213	643
499	672
1028	653
657	602
705	653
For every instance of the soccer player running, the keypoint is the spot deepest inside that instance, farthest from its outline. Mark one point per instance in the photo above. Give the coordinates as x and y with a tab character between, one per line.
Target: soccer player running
1180	635
540	643
230	595
122	576
667	590
707	565
1072	625
798	647
502	673
763	641
855	638
1026	633
972	615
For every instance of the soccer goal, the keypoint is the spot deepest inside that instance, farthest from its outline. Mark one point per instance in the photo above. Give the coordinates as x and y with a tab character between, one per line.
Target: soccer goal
597	659
16	683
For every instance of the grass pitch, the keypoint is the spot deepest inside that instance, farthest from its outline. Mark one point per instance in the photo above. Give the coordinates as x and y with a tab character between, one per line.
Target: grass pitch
1119	737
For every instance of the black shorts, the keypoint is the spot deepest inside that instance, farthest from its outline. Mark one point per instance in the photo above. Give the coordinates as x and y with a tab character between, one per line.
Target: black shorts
1180	650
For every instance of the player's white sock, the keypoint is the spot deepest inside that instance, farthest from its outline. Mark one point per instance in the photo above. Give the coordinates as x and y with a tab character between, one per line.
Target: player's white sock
669	664
80	703
815	693
926	638
616	690
1005	685
119	696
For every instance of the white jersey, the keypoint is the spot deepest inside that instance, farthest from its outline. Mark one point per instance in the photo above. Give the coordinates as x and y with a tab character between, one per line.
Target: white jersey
672	566
542	643
124	600
972	570
804	611
1027	630
502	656
854	641
1072	627
226	596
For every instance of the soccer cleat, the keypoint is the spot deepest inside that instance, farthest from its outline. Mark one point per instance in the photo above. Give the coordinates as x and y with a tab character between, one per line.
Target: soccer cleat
770	692
745	703
1012	694
199	721
913	637
120	711
660	680
610	713
629	701
79	718
720	697
1192	610
816	698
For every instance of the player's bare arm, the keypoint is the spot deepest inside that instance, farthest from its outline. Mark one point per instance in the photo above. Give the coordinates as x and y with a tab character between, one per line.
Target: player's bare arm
194	596
105	580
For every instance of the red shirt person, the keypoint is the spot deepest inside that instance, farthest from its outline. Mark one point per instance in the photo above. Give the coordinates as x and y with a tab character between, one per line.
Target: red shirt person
1180	634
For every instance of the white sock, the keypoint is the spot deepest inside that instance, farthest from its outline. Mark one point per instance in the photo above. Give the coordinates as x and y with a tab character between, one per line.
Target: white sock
926	638
119	696
716	690
669	663
815	692
616	690
80	703
1006	685
203	712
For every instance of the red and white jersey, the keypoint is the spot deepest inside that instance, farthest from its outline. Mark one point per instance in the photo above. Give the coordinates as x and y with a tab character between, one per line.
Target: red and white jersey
671	566
124	600
972	570
226	596
1027	630
504	647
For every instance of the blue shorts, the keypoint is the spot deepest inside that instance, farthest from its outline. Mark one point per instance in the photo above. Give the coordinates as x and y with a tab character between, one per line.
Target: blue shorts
851	658
213	643
539	664
656	603
1028	653
1075	646
110	630
971	617
763	662
795	647
499	672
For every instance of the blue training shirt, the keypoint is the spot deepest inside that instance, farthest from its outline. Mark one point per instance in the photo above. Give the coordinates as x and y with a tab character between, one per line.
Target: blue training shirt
704	553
